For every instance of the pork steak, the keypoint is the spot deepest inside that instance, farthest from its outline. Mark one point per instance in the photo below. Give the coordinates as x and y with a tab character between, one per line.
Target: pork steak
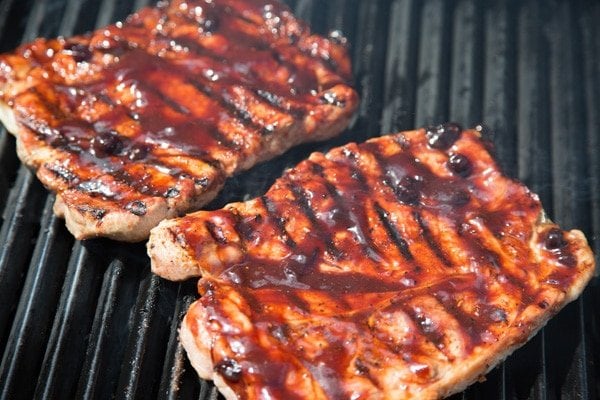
144	119
404	267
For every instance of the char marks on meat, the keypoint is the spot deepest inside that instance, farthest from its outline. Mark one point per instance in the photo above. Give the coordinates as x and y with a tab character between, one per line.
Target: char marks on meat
404	267
144	119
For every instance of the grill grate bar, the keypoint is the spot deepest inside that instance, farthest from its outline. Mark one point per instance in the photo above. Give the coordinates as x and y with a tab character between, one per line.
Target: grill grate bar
66	345
588	24
94	370
466	77
148	338
70	18
369	66
499	103
35	19
5	6
433	64
533	159
569	162
34	314
534	150
137	4
568	123
175	365
18	231
22	214
106	12
400	73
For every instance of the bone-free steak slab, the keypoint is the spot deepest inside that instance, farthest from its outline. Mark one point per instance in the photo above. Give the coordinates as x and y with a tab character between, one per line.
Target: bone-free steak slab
404	267
144	119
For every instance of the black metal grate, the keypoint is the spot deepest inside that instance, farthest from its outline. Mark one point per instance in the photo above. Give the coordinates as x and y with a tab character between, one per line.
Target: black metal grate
88	320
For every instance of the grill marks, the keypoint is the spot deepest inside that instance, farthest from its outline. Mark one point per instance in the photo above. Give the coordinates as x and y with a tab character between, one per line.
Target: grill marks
393	233
279	221
284	98
359	282
301	199
433	245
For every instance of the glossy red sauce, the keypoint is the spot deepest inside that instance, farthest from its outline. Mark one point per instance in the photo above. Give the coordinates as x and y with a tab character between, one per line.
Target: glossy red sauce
381	213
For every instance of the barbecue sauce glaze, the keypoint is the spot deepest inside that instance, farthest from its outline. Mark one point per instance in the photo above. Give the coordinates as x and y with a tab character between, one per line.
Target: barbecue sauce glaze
185	76
417	232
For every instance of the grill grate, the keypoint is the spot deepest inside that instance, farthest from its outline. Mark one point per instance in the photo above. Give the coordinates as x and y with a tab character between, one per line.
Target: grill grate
88	320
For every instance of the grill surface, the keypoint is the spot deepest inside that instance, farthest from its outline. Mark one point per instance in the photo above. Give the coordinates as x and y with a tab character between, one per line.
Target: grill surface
88	320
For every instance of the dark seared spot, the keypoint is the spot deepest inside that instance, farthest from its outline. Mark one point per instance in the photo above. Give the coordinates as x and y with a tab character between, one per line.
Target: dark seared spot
106	144
357	176
171	192
450	196
302	200
459	198
216	232
428	328
62	172
226	101
278	221
56	138
271	98
543	304
568	260
97	213
79	51
203	182
443	136
229	369
279	332
209	24
393	233
244	229
429	238
137	152
408	190
360	366
460	165
316	168
554	239
136	207
280	103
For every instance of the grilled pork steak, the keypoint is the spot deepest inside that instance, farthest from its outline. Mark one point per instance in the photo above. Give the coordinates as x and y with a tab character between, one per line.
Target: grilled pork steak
144	120
404	267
